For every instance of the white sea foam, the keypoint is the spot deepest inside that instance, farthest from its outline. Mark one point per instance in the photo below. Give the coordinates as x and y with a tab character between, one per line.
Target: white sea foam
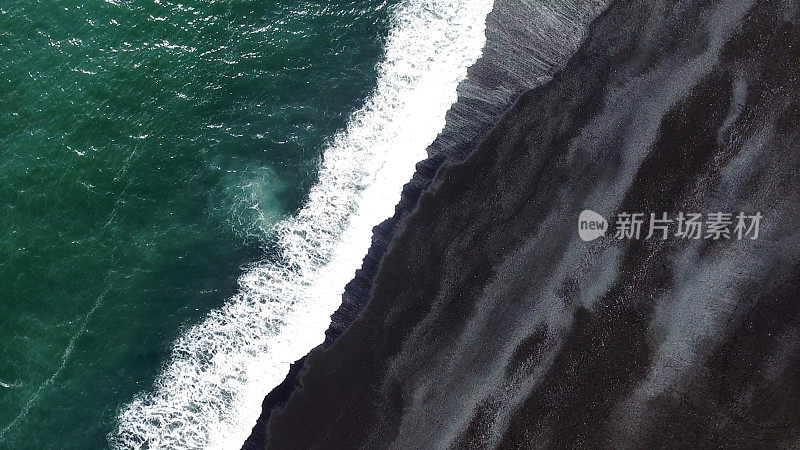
209	394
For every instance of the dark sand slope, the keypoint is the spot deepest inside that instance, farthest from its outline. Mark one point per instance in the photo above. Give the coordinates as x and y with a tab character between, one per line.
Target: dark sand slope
526	43
491	323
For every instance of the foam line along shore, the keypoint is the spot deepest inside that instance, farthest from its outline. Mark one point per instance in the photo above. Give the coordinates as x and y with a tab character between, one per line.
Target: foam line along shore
210	392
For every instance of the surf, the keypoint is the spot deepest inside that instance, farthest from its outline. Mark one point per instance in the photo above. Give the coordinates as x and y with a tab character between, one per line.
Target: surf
210	392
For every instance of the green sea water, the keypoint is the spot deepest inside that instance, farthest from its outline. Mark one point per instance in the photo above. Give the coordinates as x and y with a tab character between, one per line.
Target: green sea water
146	147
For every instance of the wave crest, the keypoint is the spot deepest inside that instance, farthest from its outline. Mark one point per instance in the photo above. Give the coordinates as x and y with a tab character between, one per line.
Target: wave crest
210	392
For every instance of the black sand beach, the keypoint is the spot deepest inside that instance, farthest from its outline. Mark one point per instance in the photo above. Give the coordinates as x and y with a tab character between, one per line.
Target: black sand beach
490	324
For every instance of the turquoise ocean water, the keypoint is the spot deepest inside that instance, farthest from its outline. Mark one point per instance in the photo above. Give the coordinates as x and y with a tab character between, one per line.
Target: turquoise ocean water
146	147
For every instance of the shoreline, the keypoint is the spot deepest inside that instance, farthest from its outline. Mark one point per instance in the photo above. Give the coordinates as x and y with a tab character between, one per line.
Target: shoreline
491	88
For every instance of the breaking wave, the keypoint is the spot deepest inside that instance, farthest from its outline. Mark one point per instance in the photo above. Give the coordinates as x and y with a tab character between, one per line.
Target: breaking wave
210	392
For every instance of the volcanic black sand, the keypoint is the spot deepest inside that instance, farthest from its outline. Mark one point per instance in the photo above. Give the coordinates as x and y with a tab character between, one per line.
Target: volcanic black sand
490	323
